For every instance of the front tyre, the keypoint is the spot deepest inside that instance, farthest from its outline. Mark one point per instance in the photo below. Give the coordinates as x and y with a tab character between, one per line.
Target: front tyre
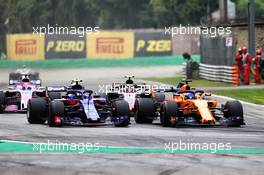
169	111
54	95
144	110
56	112
2	101
233	111
121	113
37	111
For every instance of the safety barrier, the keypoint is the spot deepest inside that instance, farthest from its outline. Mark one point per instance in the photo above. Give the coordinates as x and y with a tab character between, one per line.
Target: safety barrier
102	45
227	74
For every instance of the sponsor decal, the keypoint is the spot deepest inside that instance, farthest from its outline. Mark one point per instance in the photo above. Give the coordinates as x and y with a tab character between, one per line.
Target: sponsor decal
25	47
152	44
65	46
110	45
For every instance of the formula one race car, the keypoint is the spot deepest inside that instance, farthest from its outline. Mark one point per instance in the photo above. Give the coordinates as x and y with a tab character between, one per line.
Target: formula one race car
127	91
130	91
15	99
77	106
192	107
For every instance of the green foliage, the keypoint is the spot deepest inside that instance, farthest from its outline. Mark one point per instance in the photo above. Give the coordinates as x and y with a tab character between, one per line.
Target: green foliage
108	14
242	6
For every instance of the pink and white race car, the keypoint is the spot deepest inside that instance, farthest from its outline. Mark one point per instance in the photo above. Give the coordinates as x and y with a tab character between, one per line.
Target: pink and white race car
15	99
129	91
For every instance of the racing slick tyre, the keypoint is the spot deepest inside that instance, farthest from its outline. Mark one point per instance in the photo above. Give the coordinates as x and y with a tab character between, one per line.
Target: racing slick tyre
234	109
56	112
103	95
54	95
111	96
34	76
121	109
37	111
160	97
2	101
14	76
168	109
144	110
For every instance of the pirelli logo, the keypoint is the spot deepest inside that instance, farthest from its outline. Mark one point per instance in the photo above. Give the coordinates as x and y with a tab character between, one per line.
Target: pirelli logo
26	47
111	45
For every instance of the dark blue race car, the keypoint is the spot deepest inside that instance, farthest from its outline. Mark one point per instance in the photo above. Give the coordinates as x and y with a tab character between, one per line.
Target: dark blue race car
77	106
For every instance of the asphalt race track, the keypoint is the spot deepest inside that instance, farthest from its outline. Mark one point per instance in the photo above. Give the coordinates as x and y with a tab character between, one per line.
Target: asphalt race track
247	141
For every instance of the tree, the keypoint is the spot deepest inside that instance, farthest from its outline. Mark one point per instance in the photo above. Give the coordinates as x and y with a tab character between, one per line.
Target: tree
242	8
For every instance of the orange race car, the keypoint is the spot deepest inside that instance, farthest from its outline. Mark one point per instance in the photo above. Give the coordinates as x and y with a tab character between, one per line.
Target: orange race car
193	107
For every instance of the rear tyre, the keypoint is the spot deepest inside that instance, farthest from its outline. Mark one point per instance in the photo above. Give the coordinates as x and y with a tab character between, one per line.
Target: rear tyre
113	96
144	110
37	111
14	76
168	109
160	97
121	109
56	109
234	109
2	101
54	95
34	76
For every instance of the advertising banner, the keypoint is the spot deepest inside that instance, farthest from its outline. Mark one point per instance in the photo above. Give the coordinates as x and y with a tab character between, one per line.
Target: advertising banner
65	46
152	44
110	45
25	47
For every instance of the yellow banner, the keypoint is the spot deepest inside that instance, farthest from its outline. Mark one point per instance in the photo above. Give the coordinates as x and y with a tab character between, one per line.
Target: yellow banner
110	45
25	47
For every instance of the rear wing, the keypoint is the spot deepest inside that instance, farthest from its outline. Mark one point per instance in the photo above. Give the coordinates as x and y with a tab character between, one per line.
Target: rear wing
57	88
15	77
14	82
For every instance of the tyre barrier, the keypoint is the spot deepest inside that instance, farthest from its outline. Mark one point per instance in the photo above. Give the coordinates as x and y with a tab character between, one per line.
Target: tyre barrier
228	74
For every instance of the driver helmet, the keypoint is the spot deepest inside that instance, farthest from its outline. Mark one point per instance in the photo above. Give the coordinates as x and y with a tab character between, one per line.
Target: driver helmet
75	84
25	78
189	96
71	96
129	81
185	87
78	94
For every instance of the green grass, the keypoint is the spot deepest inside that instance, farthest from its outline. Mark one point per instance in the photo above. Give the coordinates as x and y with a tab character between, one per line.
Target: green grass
250	95
195	83
84	62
